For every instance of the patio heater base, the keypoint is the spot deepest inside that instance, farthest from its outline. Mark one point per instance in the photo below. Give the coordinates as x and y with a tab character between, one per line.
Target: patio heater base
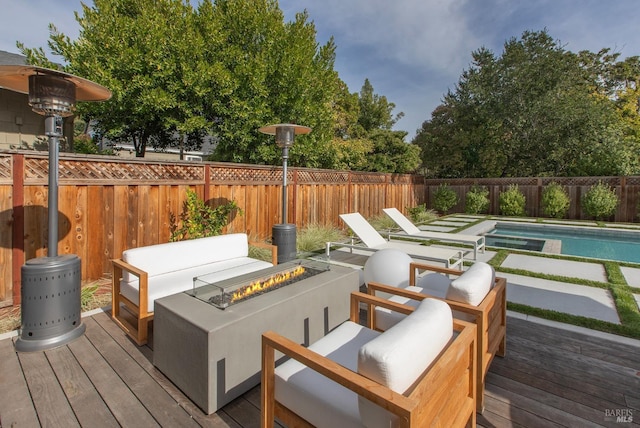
284	237
51	308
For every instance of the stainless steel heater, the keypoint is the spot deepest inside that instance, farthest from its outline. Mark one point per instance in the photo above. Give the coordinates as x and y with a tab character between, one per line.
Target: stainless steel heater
51	285
284	235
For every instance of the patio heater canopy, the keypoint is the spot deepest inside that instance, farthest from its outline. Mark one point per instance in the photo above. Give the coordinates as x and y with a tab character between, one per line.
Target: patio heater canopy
17	78
285	133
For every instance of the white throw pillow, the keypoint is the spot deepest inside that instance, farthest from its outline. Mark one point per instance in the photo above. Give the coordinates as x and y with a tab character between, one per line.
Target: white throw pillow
473	285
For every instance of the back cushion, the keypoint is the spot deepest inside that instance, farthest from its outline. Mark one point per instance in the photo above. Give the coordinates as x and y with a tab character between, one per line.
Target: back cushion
473	285
401	354
173	256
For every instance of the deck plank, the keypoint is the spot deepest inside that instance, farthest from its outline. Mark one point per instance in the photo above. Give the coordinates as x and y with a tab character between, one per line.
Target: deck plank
125	406
151	395
143	355
16	407
549	377
46	393
85	401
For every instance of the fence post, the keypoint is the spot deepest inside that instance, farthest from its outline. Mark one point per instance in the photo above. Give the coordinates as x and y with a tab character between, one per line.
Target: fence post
18	227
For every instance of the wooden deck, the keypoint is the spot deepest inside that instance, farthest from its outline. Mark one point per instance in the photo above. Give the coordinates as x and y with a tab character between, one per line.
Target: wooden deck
550	377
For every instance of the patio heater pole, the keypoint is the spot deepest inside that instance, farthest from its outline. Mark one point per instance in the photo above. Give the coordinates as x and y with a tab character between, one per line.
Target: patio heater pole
51	285
284	235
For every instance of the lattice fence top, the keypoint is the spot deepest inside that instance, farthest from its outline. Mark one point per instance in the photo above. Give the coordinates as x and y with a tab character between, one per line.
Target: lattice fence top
6	177
72	170
247	175
322	177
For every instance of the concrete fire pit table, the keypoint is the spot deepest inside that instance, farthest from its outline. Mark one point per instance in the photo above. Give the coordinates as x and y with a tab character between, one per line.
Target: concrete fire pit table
214	355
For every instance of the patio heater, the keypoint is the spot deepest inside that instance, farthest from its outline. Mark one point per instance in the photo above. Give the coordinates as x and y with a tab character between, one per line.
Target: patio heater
284	235
51	285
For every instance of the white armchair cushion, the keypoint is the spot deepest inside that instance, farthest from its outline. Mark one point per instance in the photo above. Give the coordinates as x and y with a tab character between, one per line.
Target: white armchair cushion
397	357
473	285
317	399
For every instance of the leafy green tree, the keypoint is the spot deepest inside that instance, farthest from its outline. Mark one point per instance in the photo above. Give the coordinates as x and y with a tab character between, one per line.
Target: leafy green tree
375	110
270	72
391	154
148	54
179	74
537	109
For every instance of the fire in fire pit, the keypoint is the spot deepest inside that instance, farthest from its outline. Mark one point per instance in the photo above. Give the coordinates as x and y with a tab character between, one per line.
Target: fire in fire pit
286	277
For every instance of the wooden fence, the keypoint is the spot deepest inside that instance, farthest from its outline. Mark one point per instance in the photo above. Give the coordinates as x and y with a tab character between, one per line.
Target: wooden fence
107	205
627	189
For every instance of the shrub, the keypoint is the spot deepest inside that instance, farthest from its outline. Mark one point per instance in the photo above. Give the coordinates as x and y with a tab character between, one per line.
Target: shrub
445	198
600	201
555	201
199	220
512	201
314	237
477	200
420	214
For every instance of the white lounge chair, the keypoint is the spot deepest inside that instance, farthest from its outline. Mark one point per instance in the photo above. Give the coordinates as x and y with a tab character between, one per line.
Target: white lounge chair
412	231
373	241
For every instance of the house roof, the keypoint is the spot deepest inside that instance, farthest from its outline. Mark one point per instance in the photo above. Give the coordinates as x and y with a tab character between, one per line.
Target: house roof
8	58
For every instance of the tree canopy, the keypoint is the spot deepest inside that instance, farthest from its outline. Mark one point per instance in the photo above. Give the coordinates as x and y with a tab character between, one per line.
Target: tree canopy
537	110
181	74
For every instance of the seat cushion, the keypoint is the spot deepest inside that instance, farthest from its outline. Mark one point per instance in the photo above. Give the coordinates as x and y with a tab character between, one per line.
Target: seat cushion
400	355
473	285
174	256
315	398
178	281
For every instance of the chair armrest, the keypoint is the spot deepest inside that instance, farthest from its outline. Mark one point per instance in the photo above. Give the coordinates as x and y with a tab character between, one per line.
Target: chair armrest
372	301
415	266
273	248
120	265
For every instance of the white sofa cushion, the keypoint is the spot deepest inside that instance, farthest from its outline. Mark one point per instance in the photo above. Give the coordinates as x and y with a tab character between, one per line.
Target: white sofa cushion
397	357
173	256
473	285
182	280
314	397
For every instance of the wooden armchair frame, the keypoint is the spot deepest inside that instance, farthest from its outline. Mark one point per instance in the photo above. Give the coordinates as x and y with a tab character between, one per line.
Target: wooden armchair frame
490	316
137	324
444	394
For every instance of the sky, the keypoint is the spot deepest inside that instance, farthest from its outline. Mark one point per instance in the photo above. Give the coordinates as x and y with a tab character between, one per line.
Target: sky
412	51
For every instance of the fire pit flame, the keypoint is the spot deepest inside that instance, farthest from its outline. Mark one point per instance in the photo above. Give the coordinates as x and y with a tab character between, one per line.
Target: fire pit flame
263	285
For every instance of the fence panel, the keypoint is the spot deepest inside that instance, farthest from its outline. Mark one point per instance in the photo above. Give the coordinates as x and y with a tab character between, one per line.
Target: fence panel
107	205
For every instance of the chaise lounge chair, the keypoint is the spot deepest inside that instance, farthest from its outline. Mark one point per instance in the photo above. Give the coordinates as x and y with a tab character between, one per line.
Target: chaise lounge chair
373	241
410	230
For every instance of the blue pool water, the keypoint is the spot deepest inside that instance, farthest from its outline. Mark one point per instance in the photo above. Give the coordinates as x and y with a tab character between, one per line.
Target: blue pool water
607	244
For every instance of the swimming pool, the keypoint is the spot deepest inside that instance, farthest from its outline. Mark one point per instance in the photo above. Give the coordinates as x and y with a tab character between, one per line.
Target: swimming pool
621	245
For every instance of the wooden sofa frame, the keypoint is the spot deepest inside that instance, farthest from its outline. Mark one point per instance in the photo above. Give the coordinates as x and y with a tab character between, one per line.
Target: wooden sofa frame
443	394
490	316
136	324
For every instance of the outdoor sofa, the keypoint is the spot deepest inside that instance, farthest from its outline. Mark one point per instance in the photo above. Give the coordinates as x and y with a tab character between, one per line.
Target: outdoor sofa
145	274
